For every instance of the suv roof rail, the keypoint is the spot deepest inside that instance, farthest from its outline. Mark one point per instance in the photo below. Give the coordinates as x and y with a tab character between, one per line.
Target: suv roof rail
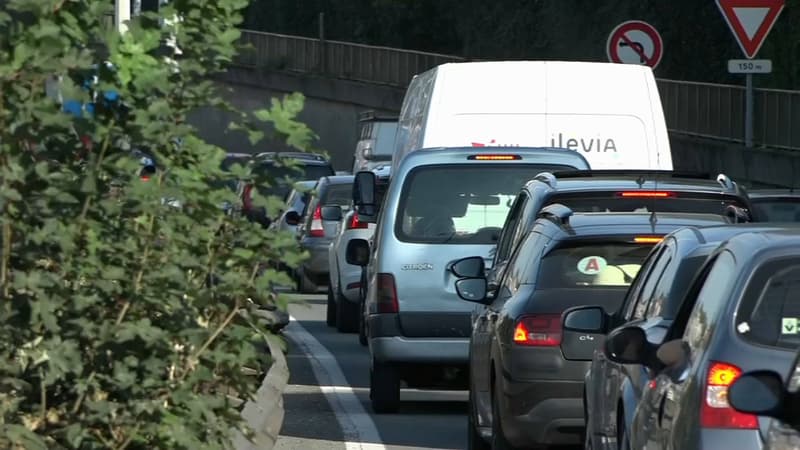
623	172
557	213
370	115
295	155
726	182
546	178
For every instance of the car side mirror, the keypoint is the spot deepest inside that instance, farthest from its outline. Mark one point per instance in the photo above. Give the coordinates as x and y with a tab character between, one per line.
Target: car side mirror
585	319
331	213
472	267
472	289
292	218
759	392
364	196
357	253
627	345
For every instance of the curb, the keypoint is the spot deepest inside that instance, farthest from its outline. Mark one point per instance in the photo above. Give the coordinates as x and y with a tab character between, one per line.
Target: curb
264	414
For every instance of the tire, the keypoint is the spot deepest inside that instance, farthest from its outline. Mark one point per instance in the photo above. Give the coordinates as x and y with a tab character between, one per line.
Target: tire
346	315
474	439
304	285
499	441
330	314
362	325
384	388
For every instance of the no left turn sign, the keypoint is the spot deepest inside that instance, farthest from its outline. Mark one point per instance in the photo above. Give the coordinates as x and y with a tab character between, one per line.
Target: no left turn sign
635	42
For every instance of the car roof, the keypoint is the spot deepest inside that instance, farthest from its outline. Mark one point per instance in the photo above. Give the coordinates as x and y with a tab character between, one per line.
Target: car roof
306	158
767	194
587	225
719	233
619	180
786	235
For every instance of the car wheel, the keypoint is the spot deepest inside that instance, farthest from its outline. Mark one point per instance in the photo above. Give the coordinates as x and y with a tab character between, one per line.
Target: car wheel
346	315
474	439
384	388
362	325
330	315
499	441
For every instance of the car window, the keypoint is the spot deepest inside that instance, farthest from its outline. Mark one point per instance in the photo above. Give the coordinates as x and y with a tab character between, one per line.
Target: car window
711	300
612	201
339	194
777	210
460	204
770	311
577	264
634	293
673	287
654	281
524	259
384	139
504	247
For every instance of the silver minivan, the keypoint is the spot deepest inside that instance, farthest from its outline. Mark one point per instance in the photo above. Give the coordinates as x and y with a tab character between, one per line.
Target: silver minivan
442	205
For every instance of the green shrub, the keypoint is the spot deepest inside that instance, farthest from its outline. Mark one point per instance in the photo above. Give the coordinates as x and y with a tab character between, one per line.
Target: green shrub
111	335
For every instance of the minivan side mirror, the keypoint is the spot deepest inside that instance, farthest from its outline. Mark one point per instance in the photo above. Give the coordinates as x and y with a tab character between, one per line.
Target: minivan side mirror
292	218
586	319
627	345
759	392
331	213
357	253
472	267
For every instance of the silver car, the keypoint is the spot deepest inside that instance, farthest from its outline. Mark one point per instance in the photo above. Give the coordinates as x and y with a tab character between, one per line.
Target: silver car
332	196
296	206
442	205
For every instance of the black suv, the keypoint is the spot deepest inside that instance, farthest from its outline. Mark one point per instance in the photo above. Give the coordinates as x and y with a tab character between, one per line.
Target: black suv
275	166
616	191
526	373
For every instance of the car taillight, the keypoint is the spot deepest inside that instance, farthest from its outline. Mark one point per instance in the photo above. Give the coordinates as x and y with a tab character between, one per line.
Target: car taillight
386	294
543	330
317	230
355	224
247	197
715	411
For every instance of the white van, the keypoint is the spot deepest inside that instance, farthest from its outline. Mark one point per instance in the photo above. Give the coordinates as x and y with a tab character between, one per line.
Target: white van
609	113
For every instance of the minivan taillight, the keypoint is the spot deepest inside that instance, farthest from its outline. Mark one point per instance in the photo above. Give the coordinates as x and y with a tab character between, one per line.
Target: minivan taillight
541	330
317	230
386	294
356	224
715	411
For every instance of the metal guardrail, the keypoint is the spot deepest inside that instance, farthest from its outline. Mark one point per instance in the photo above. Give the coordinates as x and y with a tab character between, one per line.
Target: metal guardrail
714	111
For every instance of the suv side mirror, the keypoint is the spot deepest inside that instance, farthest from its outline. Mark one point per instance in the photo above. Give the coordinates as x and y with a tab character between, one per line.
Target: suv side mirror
586	319
760	392
627	345
292	218
331	213
357	253
472	267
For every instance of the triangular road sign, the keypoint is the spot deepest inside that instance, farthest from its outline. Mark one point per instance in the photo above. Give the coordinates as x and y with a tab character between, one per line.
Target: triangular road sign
751	21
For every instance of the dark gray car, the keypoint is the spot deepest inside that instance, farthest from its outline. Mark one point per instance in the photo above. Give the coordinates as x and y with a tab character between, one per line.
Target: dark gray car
740	314
332	196
526	373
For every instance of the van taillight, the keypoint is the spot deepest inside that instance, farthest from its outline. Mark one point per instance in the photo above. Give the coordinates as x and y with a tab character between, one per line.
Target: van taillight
317	230
386	294
542	330
355	224
715	411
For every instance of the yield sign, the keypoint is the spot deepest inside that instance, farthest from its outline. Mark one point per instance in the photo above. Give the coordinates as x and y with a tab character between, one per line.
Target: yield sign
751	21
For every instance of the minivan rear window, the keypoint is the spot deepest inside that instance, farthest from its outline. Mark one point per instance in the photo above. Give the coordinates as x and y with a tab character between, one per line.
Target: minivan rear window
461	204
585	264
770	312
613	201
338	194
777	210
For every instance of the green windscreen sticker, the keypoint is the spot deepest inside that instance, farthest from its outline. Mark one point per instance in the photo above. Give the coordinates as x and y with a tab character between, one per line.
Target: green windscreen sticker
789	325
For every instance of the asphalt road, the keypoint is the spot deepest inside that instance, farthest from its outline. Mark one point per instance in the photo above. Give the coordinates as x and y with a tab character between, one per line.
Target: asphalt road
327	400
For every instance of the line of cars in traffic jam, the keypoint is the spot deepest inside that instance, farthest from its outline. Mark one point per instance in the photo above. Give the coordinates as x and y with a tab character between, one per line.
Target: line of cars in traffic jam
528	240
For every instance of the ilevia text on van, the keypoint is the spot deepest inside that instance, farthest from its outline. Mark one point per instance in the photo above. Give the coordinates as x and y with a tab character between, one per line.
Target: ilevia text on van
587	145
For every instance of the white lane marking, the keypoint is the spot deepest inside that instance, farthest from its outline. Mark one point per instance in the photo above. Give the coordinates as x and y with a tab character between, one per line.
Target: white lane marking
357	426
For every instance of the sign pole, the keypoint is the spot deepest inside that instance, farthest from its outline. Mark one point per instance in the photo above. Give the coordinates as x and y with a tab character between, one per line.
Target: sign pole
748	111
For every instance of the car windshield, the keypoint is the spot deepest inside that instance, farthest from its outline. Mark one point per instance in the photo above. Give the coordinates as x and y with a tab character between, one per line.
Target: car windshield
614	201
460	204
777	210
585	264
